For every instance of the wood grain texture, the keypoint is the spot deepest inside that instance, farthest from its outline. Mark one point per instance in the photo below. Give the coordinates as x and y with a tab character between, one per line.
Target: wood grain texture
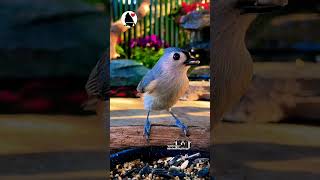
132	136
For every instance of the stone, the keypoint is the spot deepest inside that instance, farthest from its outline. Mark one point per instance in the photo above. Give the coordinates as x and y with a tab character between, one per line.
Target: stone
198	23
125	72
200	72
196	20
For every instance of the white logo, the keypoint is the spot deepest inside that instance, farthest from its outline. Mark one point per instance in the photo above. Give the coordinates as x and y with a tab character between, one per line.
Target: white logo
180	145
129	19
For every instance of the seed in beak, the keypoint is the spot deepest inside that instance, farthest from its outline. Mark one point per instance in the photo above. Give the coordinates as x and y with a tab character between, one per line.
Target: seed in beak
192	61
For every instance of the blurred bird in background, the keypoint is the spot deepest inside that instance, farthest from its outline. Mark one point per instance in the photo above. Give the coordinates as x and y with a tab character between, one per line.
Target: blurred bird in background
98	86
231	63
165	83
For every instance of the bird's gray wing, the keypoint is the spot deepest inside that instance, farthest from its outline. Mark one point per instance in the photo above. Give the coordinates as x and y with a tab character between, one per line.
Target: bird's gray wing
148	82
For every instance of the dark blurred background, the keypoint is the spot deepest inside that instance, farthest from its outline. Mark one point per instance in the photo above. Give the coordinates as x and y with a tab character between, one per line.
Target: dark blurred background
272	132
287	34
285	46
47	50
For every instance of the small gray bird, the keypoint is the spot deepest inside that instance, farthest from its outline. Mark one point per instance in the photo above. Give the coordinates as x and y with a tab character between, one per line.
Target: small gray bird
165	83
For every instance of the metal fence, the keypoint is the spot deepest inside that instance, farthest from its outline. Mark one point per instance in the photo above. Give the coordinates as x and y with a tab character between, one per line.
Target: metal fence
158	21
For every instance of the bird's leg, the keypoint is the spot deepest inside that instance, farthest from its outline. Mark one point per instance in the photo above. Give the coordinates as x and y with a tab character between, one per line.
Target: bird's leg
179	123
147	127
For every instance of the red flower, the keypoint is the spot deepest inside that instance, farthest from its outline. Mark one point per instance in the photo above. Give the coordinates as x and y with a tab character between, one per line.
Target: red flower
205	6
7	96
187	8
77	97
121	94
39	104
119	40
113	91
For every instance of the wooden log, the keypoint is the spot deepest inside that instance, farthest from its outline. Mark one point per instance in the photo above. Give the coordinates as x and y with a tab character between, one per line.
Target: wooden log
132	136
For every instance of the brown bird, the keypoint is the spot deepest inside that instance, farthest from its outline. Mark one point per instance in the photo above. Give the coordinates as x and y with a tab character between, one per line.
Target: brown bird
231	63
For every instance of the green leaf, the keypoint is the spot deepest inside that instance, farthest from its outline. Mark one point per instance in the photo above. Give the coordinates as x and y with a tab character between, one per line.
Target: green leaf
121	51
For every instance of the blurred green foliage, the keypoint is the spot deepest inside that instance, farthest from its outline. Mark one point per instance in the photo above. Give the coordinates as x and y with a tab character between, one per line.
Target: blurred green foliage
147	56
121	51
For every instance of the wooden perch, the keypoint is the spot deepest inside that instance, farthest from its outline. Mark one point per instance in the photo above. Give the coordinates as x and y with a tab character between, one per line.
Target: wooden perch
132	136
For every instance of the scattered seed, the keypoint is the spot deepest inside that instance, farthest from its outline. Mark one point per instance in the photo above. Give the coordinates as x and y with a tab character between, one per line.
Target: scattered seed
184	164
185	167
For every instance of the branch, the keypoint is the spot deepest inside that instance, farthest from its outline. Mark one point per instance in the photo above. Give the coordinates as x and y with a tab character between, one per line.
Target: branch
132	136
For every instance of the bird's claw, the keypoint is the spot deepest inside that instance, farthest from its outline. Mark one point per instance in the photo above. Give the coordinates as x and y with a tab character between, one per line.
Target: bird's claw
182	126
185	131
147	129
147	138
146	135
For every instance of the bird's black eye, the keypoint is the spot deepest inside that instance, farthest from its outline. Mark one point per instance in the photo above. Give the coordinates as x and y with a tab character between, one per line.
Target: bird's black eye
176	56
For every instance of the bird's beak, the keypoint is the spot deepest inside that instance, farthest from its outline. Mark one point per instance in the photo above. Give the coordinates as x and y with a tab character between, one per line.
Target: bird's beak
191	62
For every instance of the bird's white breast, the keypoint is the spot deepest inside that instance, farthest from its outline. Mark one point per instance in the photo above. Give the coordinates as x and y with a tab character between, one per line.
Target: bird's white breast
167	92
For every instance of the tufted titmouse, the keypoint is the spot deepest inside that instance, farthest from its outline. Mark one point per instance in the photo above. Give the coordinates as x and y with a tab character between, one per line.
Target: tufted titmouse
165	83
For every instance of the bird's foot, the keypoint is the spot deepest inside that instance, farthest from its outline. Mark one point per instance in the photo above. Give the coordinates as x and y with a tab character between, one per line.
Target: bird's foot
147	130
182	126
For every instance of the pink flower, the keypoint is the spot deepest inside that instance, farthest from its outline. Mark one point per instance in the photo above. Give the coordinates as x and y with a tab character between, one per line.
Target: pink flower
153	38
152	41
